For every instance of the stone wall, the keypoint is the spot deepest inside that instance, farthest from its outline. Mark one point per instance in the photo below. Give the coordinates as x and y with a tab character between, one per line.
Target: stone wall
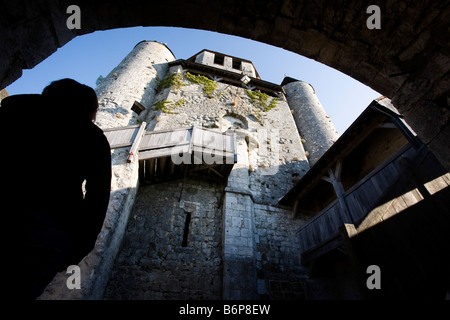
239	247
280	274
155	261
275	152
134	79
193	239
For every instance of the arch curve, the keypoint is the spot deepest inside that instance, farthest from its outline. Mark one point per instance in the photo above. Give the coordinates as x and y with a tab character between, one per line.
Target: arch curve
407	60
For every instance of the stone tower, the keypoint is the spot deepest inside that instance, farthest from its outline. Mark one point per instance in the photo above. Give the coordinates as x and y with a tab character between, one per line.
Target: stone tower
134	79
194	230
314	125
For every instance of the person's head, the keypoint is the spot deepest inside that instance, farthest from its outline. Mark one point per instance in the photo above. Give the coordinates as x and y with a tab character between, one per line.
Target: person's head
77	99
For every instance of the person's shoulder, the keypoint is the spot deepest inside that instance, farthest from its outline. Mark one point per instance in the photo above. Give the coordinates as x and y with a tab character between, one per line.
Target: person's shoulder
21	103
21	98
96	132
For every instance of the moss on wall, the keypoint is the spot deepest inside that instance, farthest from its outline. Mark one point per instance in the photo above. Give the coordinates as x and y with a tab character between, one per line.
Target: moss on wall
168	106
208	85
261	100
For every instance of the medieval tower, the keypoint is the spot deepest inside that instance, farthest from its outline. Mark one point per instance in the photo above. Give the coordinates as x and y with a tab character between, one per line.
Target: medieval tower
202	151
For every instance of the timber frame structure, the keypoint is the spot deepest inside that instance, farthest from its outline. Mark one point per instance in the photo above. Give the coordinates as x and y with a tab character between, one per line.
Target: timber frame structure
362	210
173	154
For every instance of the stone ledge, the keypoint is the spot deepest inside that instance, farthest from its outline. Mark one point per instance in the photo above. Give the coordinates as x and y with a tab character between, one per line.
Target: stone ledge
241	192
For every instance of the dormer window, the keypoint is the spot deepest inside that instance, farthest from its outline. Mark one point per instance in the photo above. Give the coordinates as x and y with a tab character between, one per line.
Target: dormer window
225	62
219	59
236	64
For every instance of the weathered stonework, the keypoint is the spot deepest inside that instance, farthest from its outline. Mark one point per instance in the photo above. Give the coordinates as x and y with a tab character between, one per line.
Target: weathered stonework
314	125
154	263
275	150
279	272
191	238
3	94
134	79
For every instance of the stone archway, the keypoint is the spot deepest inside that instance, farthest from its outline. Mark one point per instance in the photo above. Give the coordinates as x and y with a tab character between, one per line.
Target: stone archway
408	59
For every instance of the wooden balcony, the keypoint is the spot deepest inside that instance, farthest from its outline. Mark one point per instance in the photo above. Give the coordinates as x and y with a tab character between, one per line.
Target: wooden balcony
375	192
375	170
173	154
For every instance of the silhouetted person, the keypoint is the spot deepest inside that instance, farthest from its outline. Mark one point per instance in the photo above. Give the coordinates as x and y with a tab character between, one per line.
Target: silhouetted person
50	146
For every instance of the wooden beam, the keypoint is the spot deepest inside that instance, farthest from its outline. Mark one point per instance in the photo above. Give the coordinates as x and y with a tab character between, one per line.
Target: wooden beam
149	169
321	249
340	192
387	125
338	170
216	172
137	142
120	128
141	169
347	232
294	209
342	148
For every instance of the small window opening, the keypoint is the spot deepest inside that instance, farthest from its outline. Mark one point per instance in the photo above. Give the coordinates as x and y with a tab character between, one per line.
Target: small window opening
186	229
137	107
236	64
218	59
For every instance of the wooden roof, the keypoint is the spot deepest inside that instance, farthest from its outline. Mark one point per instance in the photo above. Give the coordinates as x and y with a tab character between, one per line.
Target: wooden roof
374	116
228	76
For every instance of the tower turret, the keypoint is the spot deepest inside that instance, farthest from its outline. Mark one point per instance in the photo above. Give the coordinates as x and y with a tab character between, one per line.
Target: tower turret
314	125
133	80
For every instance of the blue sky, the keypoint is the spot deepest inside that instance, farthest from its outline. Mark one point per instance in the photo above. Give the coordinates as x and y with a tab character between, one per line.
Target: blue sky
87	57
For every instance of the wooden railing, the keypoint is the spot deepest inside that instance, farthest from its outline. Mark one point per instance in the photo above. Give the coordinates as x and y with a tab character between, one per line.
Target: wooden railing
360	200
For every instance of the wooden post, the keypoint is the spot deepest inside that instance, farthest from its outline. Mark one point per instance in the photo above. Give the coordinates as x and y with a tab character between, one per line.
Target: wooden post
294	209
348	231
137	142
334	177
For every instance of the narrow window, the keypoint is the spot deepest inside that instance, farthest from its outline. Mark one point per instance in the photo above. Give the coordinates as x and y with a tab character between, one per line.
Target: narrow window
186	229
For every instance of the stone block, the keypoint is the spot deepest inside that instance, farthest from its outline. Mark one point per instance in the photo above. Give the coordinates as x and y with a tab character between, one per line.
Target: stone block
246	251
246	232
237	222
241	241
232	232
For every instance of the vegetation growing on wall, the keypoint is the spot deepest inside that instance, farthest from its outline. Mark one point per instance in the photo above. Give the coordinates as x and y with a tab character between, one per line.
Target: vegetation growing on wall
176	80
99	80
171	80
261	100
168	106
208	85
